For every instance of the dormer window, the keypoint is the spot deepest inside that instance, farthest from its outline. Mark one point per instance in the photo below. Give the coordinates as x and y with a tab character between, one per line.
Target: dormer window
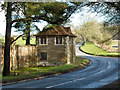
58	40
43	40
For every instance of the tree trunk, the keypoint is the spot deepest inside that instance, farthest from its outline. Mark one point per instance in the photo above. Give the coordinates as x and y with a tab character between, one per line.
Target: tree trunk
28	33
28	39
6	69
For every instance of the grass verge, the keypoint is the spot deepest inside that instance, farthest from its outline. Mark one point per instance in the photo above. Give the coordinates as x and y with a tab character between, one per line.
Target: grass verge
36	72
90	48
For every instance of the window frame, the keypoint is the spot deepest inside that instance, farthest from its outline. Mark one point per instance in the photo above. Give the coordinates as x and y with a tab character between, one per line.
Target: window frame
59	38
43	41
43	55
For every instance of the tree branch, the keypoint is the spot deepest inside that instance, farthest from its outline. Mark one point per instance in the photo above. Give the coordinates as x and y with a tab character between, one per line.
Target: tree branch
17	38
111	37
33	18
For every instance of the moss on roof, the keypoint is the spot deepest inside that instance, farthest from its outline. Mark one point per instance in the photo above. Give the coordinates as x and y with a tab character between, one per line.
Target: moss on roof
55	31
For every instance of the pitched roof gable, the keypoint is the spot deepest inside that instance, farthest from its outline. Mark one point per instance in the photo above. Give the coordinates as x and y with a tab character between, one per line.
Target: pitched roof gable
56	31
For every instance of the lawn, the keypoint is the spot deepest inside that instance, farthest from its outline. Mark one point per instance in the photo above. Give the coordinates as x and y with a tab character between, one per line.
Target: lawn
20	41
94	50
32	72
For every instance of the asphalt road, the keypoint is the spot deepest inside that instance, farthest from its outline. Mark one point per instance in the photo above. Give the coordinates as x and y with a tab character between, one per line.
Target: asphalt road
101	71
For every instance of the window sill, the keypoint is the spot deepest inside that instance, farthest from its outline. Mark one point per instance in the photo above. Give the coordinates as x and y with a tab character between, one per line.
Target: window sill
58	44
43	44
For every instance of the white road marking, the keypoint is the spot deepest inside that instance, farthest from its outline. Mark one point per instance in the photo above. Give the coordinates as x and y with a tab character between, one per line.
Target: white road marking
71	81
64	83
104	70
108	65
78	53
99	72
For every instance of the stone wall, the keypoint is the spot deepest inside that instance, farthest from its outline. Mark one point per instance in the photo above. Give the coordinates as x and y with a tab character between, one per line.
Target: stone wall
56	54
21	56
28	56
108	48
72	49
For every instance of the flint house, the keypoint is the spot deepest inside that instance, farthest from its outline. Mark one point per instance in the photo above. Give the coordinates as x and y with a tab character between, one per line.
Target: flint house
55	45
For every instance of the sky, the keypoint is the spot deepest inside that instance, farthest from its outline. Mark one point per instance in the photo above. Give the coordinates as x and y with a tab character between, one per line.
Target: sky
77	19
84	16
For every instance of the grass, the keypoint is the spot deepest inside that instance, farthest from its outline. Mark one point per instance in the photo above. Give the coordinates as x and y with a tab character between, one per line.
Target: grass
31	72
20	41
94	50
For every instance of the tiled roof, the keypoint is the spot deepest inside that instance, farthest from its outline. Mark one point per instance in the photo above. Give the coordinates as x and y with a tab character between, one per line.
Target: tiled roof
56	31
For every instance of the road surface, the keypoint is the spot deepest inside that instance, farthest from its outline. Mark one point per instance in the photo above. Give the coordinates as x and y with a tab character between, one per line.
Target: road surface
101	71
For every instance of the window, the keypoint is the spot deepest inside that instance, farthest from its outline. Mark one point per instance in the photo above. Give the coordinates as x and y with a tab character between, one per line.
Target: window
43	40
43	56
59	40
56	40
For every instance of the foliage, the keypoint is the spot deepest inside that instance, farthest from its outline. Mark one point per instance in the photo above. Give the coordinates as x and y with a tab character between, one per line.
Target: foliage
109	9
114	30
51	12
93	31
50	27
15	9
2	41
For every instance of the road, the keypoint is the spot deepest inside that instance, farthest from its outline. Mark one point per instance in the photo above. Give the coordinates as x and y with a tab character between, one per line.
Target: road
101	71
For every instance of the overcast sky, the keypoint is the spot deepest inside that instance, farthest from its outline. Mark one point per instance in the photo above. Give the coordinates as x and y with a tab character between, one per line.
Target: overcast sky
77	19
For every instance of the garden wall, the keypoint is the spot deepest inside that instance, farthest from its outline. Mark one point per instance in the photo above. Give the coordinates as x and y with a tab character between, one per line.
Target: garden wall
21	56
109	48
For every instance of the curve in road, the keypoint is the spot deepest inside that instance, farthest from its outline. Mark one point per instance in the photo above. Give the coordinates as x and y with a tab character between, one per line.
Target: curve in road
101	71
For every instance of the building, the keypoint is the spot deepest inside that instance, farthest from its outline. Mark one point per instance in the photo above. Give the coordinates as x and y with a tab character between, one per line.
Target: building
55	46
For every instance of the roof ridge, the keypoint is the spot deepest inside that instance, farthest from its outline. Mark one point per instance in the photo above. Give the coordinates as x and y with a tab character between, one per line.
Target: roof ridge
59	30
